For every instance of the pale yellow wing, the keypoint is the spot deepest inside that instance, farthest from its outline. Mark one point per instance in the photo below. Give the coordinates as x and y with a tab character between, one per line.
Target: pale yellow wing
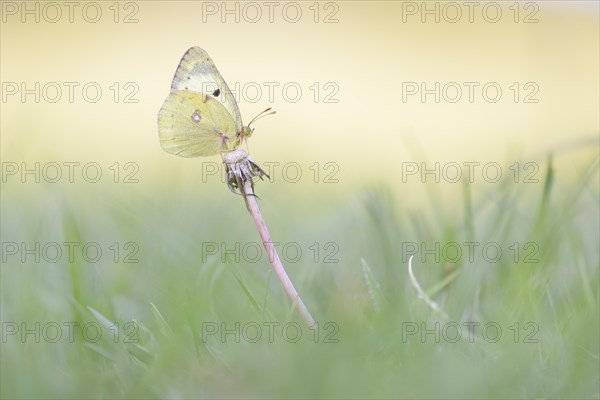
191	124
197	73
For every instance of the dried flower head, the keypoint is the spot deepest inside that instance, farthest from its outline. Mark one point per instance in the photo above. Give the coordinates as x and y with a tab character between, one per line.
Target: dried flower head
240	168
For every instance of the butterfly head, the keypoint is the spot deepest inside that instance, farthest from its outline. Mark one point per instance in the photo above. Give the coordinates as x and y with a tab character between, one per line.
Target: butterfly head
247	131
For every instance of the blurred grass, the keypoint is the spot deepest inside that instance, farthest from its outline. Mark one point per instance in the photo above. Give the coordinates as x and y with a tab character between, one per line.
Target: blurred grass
154	313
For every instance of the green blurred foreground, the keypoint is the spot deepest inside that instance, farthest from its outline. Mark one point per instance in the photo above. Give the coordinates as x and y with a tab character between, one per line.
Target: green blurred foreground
119	292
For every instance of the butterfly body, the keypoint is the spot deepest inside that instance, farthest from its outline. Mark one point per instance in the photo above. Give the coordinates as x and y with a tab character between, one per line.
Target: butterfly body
200	117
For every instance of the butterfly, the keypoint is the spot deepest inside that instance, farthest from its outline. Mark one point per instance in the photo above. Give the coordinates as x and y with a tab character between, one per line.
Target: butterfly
200	117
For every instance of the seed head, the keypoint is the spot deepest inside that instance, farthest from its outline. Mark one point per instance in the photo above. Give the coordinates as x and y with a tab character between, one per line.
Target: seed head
240	168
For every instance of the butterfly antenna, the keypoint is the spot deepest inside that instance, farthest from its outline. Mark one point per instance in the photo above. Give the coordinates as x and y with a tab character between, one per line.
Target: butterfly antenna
262	114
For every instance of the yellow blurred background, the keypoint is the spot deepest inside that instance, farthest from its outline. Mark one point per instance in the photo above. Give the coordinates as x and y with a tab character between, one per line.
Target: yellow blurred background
353	82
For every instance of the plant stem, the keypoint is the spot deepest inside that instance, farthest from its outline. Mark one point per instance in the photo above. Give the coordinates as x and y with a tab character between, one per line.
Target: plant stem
288	286
421	293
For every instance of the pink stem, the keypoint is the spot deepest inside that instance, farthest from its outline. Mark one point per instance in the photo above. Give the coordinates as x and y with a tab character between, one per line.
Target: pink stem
288	286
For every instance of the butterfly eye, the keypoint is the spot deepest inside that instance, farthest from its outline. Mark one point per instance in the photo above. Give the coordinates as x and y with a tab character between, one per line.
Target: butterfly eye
245	132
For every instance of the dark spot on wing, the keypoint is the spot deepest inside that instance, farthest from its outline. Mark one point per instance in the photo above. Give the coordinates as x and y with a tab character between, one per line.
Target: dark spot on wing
217	92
